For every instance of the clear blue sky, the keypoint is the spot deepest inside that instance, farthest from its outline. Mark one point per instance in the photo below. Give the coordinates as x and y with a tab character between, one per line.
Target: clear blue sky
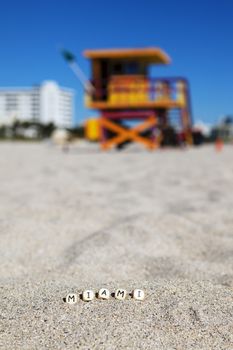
198	35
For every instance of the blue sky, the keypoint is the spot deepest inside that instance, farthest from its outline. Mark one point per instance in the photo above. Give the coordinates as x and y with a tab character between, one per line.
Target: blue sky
198	35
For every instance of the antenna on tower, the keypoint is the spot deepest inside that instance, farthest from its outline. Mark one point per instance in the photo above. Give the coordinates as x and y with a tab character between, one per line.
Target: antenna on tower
71	60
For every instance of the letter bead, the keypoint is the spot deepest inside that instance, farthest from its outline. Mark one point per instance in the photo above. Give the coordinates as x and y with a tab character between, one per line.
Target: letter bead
138	294
120	294
88	295
71	298
103	293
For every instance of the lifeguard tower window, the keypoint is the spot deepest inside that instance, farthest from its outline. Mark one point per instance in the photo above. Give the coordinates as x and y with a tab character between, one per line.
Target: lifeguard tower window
132	68
125	68
117	68
104	78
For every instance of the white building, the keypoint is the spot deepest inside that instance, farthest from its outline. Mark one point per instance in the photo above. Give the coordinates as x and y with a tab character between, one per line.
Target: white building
45	103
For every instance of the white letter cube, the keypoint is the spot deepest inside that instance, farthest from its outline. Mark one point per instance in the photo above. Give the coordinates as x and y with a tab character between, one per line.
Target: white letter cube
88	295
71	298
138	294
103	293
120	294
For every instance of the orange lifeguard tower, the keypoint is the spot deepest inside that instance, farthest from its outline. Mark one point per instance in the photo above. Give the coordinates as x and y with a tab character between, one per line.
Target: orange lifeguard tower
125	94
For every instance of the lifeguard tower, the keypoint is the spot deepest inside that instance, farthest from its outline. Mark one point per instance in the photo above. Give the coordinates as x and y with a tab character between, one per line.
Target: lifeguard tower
134	106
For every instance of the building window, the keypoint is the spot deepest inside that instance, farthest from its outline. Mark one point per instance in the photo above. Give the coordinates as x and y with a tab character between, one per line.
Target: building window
11	102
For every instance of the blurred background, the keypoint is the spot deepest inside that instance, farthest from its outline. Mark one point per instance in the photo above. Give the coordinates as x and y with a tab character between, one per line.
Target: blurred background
197	37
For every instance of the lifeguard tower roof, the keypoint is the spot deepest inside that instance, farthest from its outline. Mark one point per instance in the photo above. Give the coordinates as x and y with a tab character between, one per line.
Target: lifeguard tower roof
149	55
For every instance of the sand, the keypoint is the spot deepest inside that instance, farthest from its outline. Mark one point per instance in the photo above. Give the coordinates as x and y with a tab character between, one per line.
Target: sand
160	221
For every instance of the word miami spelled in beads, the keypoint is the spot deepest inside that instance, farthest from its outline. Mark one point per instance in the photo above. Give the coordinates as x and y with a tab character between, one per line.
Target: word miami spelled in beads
104	294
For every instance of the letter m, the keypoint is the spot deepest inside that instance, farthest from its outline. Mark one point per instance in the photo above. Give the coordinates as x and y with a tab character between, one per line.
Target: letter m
71	298
120	292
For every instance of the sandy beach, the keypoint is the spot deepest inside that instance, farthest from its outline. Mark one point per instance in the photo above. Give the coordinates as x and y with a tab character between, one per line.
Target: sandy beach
160	221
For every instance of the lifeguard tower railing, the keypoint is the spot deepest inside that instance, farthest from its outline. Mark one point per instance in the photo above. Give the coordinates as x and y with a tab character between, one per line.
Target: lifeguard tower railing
121	92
